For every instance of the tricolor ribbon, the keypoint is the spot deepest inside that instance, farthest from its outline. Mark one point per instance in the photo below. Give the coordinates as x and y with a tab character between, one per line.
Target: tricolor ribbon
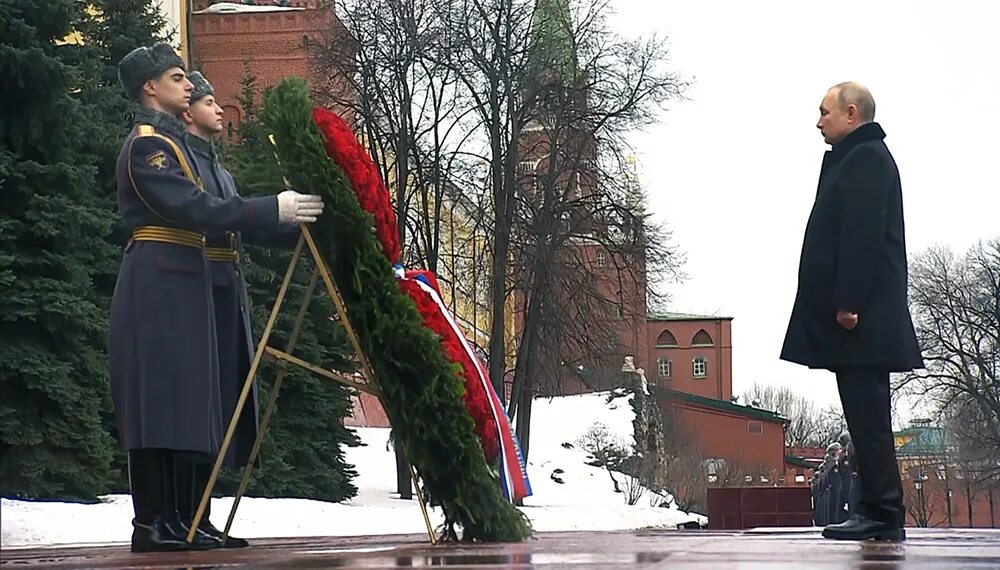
513	474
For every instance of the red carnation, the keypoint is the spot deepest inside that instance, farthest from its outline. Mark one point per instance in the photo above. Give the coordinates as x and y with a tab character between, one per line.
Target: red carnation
476	398
343	148
346	151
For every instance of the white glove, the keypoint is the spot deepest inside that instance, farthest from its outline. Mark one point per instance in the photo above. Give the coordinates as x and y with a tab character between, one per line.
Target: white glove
298	208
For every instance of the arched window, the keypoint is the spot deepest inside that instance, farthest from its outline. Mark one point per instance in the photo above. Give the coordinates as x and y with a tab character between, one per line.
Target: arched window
701	338
666	338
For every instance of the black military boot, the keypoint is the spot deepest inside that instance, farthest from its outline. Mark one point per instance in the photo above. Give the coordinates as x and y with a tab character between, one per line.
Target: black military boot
178	495
199	472
150	532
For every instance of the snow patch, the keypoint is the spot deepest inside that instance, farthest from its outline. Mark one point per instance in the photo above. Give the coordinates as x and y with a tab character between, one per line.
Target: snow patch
568	493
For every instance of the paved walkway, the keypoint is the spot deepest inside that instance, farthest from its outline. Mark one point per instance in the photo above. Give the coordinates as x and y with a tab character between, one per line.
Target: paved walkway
761	548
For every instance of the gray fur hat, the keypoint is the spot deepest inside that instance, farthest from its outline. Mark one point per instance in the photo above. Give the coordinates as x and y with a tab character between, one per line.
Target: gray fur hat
145	63
201	86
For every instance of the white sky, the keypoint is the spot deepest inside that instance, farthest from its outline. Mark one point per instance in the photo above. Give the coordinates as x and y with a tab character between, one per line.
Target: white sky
733	170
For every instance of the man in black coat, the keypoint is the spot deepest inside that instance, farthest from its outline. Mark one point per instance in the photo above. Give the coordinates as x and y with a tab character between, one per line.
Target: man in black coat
203	121
850	314
164	368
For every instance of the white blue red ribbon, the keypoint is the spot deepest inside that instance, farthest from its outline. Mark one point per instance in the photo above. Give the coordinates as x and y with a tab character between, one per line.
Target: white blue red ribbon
513	473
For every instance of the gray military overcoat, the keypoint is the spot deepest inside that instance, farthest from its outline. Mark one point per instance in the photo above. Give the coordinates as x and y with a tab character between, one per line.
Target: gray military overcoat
163	346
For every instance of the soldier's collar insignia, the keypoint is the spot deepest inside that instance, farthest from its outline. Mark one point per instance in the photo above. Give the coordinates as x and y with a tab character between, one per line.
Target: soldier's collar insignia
157	160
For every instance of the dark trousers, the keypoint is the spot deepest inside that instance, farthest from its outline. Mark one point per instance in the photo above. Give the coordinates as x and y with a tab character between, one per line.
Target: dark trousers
864	394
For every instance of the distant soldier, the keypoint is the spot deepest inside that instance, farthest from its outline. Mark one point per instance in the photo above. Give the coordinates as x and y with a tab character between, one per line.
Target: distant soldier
164	367
853	485
203	121
834	477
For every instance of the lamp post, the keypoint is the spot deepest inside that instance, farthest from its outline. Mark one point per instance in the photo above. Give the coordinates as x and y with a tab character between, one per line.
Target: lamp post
918	483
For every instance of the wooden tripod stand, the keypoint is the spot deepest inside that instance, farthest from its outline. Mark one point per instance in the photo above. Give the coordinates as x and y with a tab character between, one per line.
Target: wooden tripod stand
369	385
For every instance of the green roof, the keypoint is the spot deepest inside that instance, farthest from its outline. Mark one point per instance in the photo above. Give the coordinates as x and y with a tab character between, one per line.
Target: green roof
925	441
798	461
748	411
552	45
668	316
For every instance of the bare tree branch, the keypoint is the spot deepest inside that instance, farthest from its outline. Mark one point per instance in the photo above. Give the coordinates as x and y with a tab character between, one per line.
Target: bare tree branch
955	302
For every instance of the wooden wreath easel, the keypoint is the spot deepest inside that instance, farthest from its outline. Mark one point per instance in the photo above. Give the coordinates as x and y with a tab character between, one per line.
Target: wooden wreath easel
369	385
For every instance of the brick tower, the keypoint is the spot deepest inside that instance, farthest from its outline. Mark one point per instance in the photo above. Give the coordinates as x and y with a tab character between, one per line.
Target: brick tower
556	149
270	41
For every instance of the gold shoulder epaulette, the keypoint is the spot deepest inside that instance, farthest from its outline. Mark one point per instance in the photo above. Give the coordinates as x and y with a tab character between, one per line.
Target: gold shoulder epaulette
149	131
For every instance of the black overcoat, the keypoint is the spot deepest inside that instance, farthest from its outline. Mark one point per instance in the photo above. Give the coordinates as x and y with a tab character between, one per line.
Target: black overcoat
854	259
163	354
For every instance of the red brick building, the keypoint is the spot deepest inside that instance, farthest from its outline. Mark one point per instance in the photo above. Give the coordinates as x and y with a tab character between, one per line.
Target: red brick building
748	437
690	367
690	353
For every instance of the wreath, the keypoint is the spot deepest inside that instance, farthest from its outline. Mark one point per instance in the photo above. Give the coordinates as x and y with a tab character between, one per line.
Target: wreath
441	409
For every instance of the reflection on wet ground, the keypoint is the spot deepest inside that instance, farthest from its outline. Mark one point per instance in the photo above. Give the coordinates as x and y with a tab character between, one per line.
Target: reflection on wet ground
761	548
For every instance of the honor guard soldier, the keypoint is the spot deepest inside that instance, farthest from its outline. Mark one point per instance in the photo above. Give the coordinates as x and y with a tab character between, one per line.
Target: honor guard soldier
164	359
203	121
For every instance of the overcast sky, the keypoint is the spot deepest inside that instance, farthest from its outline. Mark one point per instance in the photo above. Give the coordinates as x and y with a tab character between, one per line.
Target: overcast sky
733	170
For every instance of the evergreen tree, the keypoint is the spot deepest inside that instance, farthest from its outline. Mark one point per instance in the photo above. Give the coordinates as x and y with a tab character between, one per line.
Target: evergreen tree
302	454
53	322
111	30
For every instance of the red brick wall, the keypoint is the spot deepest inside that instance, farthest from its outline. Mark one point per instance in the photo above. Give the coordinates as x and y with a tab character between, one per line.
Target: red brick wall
718	382
366	412
197	5
792	474
935	498
271	44
722	435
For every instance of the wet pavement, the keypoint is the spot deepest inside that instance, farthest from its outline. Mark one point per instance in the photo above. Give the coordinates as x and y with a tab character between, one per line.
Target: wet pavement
762	548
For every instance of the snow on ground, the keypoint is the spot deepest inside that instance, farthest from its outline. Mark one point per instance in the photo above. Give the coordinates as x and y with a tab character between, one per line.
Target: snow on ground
585	500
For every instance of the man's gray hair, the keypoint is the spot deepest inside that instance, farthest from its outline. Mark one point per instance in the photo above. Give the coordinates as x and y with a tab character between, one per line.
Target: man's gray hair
852	93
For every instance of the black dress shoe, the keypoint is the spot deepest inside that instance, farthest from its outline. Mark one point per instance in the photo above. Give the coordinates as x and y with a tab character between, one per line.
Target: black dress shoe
862	528
231	541
202	540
